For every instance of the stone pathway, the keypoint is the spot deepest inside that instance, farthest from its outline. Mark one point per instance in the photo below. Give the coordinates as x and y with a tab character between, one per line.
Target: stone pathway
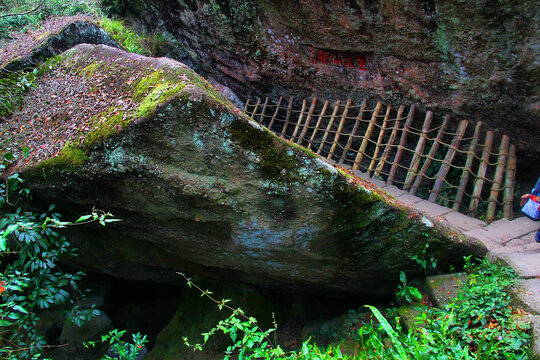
509	242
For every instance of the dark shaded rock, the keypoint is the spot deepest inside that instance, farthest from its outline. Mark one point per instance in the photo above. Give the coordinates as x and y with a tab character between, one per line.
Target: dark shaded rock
201	189
197	315
74	33
476	59
90	330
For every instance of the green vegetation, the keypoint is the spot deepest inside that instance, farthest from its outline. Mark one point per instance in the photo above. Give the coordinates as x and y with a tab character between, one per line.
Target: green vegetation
21	15
123	35
479	324
120	349
30	280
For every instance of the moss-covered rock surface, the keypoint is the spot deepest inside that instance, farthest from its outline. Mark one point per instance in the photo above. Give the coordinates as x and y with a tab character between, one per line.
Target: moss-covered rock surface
201	189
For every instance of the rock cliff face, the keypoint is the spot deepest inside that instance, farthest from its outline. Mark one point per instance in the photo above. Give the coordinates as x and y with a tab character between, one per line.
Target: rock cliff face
478	59
200	188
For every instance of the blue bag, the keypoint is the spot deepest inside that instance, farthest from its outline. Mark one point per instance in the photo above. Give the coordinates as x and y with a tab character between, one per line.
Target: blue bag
531	208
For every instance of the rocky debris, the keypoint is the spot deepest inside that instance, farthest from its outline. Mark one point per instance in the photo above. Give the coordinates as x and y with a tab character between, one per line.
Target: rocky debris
201	189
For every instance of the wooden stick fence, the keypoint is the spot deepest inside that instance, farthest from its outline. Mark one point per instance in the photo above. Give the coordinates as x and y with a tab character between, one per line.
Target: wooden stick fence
454	166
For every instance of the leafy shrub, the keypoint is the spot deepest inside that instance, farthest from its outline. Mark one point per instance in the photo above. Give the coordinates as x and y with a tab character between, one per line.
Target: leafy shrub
120	349
30	280
407	294
476	325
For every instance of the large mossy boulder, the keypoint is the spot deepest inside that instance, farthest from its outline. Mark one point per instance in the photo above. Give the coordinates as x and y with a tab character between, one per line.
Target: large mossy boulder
202	189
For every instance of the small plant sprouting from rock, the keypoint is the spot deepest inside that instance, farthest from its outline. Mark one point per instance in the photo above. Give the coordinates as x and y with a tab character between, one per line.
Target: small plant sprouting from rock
407	294
119	349
426	260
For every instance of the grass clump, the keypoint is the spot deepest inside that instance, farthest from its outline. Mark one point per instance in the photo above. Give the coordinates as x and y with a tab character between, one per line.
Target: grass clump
478	324
126	37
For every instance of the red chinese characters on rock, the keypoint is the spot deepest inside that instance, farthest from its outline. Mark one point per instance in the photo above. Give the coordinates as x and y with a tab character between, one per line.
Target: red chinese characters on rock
317	56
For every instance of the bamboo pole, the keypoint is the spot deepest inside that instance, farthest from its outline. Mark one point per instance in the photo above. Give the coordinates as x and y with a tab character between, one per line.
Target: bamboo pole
353	132
379	140
367	135
418	151
401	146
497	179
246	106
340	128
308	121
480	177
321	116
467	168
255	108
330	123
430	156
509	183
450	154
275	113
300	118
263	111
288	117
388	146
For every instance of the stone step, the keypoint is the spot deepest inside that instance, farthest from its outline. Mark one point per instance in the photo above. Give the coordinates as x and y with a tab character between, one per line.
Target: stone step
463	222
443	288
527	295
504	230
525	263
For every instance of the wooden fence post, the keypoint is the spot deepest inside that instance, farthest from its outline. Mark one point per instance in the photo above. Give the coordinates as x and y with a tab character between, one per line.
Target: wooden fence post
390	143
509	183
401	146
275	113
418	151
367	135
430	156
255	109
340	128
321	116
300	118
353	132
261	119
468	166
330	123
308	121
288	117
379	140
481	175
497	179
447	162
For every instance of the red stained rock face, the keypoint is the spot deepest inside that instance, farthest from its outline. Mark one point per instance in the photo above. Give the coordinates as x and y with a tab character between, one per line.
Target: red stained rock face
474	59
